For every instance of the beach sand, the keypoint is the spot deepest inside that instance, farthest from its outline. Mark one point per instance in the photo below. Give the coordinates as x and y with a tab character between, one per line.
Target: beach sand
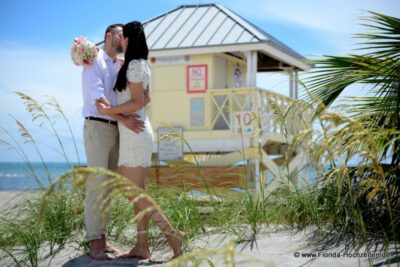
10	198
273	246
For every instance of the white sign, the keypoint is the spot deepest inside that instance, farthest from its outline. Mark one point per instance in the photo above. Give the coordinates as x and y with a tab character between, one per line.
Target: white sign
242	122
170	144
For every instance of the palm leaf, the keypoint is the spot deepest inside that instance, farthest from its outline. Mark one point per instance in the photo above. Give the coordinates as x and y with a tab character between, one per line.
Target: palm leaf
378	70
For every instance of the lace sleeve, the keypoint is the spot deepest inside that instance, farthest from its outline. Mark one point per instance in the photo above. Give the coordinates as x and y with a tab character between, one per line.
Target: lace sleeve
135	72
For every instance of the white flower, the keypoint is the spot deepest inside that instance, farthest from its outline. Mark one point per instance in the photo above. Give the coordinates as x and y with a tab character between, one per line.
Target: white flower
83	52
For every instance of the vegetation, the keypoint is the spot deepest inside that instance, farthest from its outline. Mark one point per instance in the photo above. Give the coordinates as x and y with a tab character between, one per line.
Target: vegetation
371	132
376	71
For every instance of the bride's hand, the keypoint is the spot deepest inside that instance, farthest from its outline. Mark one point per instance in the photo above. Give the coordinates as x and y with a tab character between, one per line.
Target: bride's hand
102	108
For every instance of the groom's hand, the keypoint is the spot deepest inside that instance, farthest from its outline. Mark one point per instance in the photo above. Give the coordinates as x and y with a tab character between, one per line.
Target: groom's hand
133	123
103	100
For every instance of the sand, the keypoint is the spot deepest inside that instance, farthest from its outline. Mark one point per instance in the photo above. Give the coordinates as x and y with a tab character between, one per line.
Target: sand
273	246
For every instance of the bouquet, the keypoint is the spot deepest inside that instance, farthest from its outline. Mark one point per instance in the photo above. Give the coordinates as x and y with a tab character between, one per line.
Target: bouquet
83	52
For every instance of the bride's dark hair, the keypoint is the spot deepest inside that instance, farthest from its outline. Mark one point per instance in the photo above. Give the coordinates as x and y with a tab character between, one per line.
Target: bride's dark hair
137	49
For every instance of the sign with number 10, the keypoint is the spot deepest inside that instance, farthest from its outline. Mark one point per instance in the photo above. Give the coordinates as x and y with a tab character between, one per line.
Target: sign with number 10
242	122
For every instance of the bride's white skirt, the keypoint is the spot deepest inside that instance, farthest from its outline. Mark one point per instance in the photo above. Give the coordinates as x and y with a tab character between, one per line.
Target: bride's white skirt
135	149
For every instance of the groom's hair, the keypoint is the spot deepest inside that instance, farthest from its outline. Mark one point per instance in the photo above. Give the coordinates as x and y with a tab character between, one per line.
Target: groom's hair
111	28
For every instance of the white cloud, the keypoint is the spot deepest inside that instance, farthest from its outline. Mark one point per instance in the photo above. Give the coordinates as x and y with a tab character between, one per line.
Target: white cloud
333	21
97	35
40	73
336	16
274	81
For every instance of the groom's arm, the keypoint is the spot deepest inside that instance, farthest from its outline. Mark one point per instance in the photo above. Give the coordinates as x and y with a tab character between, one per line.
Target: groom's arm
131	122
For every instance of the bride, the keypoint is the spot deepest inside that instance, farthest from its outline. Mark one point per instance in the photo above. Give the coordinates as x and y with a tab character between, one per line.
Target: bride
135	149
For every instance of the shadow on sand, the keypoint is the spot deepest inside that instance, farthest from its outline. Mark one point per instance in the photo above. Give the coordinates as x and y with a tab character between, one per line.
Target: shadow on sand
84	260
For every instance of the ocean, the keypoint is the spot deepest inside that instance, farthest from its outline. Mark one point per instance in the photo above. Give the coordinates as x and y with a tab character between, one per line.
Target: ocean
16	176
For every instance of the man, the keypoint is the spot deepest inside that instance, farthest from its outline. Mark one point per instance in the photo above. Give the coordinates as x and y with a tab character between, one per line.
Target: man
101	136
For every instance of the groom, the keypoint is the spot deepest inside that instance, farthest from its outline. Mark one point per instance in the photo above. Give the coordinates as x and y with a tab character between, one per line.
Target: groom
101	136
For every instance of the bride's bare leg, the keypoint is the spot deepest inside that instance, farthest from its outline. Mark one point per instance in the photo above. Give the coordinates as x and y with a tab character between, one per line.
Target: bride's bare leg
174	237
141	248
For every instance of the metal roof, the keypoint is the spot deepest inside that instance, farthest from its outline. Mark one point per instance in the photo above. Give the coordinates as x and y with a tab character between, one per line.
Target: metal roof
204	25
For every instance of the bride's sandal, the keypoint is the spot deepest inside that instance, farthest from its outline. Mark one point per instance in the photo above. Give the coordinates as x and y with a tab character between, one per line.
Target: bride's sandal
111	249
175	239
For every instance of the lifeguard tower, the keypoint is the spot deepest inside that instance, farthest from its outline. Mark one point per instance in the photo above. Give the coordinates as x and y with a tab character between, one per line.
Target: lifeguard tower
204	63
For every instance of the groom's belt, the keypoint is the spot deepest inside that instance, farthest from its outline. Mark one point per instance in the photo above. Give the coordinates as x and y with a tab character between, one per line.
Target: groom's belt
101	119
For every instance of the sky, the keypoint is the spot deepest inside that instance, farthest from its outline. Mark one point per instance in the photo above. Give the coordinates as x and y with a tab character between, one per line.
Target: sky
36	37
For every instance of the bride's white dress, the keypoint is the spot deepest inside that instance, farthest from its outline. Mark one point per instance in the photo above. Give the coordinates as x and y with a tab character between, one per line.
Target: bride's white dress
135	149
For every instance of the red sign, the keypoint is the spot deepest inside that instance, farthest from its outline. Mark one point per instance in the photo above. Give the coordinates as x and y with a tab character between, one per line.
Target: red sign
196	78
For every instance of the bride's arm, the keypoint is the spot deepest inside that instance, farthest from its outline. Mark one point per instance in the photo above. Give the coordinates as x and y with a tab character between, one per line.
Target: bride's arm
137	102
147	98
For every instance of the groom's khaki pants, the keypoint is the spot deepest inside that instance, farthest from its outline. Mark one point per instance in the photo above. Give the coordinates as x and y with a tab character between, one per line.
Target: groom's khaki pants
101	147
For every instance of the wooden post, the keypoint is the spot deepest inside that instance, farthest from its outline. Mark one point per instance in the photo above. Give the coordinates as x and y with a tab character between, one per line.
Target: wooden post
249	60
291	87
296	84
254	68
251	74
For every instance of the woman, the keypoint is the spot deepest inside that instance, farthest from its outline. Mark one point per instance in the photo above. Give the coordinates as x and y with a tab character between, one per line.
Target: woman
135	149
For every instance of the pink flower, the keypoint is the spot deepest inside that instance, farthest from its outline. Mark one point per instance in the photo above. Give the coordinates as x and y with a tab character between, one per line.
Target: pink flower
83	52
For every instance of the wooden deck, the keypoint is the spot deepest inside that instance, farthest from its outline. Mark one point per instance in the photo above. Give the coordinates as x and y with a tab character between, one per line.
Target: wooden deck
189	177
